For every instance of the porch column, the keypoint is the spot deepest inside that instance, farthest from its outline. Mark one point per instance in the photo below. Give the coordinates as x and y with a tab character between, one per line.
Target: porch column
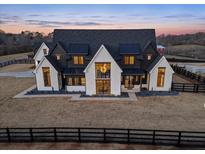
140	82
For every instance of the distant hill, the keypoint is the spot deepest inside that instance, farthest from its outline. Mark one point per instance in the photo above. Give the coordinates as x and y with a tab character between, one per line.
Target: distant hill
170	40
22	42
187	50
189	45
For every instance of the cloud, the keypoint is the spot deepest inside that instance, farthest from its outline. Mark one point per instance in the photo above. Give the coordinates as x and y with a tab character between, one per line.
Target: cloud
178	16
7	19
34	15
60	24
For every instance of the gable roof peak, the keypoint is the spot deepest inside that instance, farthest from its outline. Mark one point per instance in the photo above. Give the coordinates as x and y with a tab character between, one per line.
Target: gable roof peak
99	50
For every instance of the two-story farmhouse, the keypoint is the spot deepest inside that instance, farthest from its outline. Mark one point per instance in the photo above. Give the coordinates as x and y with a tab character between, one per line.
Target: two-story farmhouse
102	62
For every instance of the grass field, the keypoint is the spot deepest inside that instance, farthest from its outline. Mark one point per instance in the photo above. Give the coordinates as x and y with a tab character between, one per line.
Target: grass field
192	51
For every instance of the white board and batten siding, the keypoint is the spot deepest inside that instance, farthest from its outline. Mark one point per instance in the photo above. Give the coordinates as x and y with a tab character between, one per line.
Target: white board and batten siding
103	55
153	74
40	54
54	75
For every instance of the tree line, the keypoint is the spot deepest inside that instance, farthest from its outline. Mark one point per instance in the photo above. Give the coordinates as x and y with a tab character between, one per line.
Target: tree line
26	41
170	40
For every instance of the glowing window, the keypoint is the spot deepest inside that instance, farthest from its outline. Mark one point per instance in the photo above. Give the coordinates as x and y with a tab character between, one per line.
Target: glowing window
45	51
78	60
58	57
161	77
149	57
129	60
46	76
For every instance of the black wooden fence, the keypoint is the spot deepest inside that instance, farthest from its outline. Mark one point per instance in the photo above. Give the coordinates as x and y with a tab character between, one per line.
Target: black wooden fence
188	74
17	61
188	87
103	135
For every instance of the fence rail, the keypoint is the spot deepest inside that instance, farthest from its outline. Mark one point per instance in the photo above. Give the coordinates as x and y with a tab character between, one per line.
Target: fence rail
188	74
17	61
103	135
188	87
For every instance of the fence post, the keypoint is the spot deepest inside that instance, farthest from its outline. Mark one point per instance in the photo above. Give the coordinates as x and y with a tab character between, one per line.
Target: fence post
153	138
128	136
179	138
79	135
104	134
183	87
197	88
31	134
8	134
172	87
55	134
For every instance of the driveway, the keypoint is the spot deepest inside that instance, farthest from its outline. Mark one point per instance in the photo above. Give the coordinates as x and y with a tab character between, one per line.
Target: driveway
24	74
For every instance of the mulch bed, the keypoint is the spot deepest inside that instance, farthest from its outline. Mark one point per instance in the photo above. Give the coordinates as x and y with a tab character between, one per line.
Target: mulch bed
156	93
37	92
123	95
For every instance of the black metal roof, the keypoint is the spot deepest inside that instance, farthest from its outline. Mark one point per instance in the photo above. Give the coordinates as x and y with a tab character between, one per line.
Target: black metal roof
53	62
111	38
50	45
78	49
130	48
131	71
73	71
155	61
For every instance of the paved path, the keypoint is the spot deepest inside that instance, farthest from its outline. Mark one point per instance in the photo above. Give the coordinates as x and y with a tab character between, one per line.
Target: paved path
25	74
132	96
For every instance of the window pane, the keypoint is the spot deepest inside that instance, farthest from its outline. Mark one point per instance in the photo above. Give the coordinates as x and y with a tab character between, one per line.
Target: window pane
70	81
126	59
46	76
75	59
102	70
81	60
129	60
149	57
58	57
76	81
132	59
161	77
82	81
45	51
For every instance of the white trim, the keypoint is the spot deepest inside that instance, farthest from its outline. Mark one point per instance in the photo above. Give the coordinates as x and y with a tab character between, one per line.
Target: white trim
38	66
39	50
101	47
159	63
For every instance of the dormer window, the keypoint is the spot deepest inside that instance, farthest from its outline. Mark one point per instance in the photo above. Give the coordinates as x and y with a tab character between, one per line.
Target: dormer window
149	56
129	60
78	60
58	57
45	51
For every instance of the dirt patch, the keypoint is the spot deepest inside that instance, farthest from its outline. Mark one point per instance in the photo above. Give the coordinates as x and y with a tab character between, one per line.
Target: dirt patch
182	79
182	112
16	68
84	146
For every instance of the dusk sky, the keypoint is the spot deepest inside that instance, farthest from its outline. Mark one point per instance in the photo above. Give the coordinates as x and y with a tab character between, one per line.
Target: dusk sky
167	19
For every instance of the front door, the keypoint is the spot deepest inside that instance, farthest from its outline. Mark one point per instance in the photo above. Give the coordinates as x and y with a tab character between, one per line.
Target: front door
129	82
102	87
103	78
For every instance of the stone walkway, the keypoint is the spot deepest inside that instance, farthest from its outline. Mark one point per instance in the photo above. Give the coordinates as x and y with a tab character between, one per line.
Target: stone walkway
25	74
132	96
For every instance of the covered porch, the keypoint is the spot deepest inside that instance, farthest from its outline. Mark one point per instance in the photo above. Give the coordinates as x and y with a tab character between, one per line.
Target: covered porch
134	80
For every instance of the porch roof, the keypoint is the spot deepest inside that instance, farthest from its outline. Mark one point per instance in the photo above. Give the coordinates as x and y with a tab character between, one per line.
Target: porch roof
131	71
73	71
